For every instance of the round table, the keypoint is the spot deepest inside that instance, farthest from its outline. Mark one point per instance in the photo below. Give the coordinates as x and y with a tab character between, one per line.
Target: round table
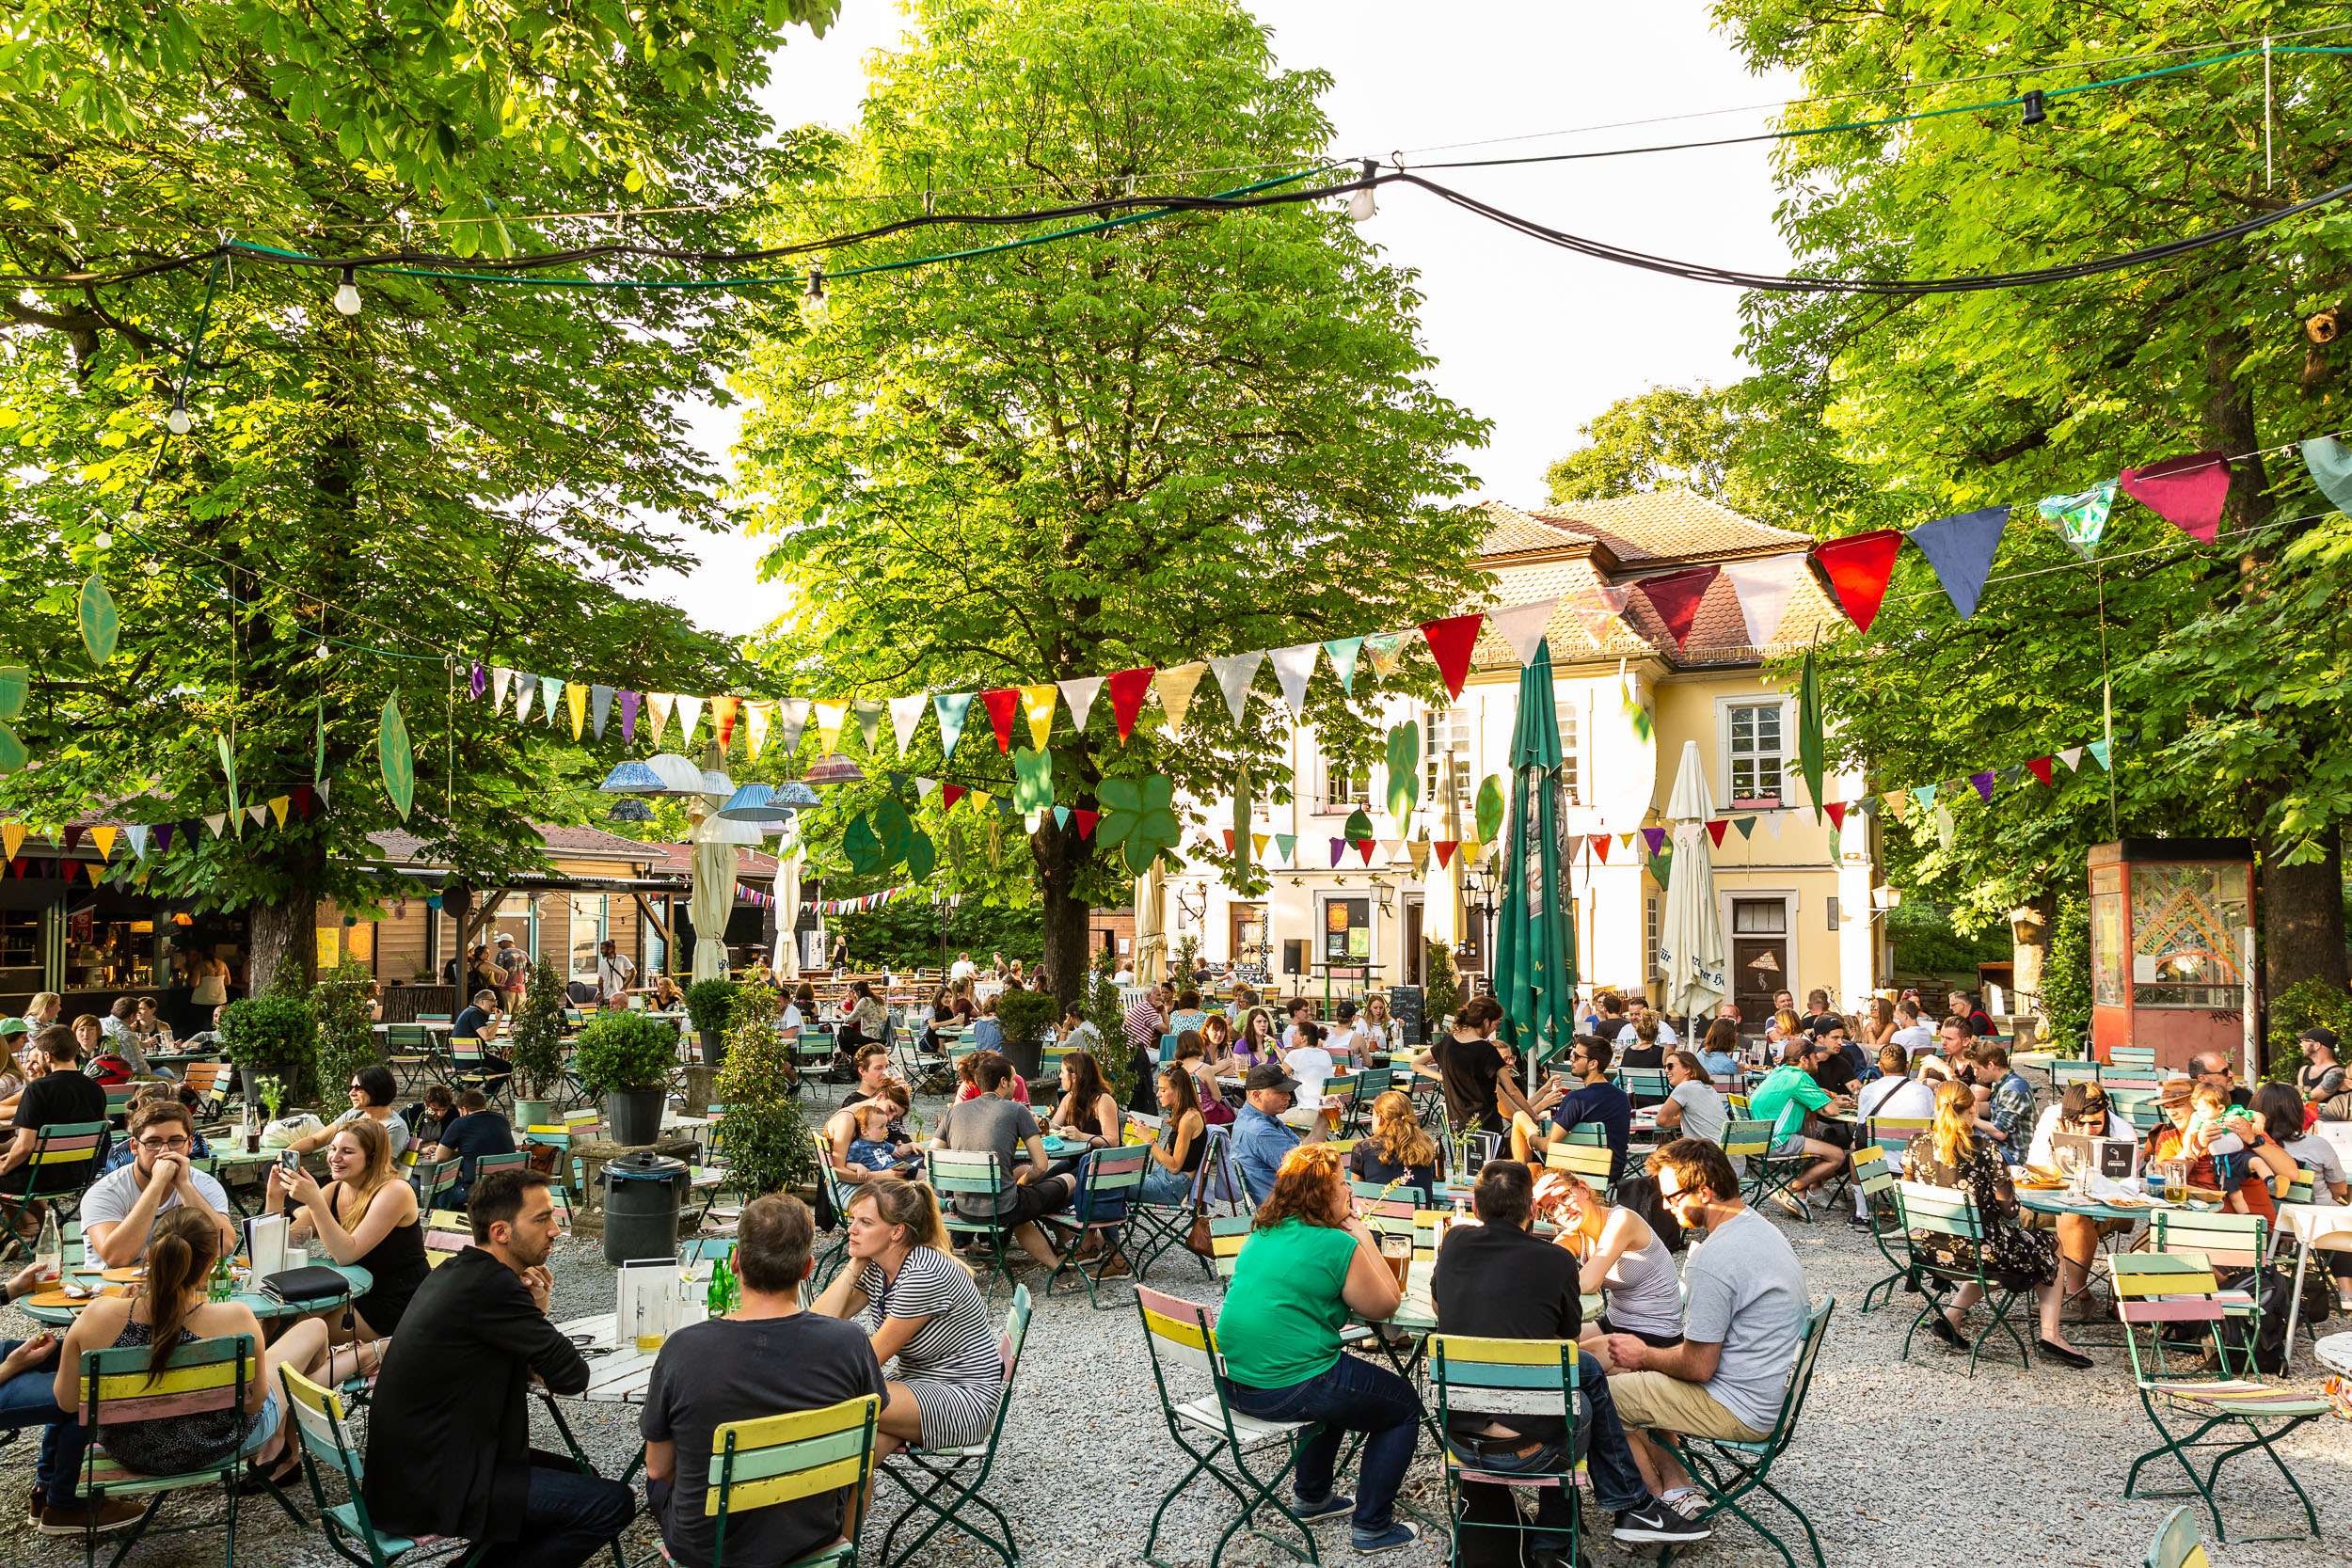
2334	1353
2055	1201
264	1307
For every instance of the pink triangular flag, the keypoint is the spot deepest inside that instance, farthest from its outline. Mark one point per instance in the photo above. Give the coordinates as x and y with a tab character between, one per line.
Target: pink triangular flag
1763	589
2186	492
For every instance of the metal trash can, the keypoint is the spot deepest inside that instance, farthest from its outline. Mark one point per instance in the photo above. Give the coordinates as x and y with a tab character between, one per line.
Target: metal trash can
642	1195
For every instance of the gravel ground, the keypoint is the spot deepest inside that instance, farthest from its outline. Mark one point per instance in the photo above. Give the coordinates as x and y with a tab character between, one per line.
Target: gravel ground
1887	1460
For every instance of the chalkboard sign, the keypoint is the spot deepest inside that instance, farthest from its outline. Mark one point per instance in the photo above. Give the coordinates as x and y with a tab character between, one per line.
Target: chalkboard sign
1405	1003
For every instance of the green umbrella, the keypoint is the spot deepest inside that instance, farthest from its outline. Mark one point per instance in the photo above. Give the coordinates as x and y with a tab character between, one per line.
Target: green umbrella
1536	943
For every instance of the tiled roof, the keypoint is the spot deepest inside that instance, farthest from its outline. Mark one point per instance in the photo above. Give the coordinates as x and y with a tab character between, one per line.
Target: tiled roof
1638	531
756	864
560	839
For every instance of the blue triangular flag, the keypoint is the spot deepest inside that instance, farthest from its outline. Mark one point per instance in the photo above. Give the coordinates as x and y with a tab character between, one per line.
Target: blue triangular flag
599	708
1924	794
1343	651
1961	550
2331	463
2100	750
1062	816
951	706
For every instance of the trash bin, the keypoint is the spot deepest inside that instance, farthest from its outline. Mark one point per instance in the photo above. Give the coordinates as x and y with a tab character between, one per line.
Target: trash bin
643	1194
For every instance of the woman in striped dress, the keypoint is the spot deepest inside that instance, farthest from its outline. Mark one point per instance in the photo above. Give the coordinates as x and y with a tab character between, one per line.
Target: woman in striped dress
920	1306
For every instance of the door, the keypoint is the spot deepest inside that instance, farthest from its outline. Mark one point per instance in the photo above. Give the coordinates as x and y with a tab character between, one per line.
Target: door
1244	933
1414	949
1759	957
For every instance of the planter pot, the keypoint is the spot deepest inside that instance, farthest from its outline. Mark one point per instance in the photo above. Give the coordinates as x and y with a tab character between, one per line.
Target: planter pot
1024	1057
633	1116
534	1113
714	1046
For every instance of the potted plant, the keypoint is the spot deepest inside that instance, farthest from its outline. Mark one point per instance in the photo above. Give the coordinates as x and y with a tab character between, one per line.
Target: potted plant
626	1060
709	1008
536	1046
275	1035
347	1040
769	1146
1024	1016
1442	992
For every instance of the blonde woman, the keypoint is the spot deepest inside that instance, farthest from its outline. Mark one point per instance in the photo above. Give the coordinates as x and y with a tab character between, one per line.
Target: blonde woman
1396	1149
366	1215
1377	1030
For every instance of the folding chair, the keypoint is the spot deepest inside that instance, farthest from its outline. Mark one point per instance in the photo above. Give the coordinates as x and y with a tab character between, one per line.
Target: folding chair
64	1159
436	1180
462	1067
1216	1188
1949	1211
1592	1163
1727	1471
322	1423
1875	1180
2176	1544
1181	1337
834	1248
1747	1144
1111	1185
954	1174
447	1233
209	1080
1644	1085
947	1483
2139	1060
1768	1172
2174	1311
812	1054
2065	1072
2232	1245
408	1052
778	1459
1505	1377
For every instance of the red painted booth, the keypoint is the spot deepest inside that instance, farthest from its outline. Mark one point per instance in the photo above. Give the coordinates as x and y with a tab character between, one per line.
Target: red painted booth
2167	919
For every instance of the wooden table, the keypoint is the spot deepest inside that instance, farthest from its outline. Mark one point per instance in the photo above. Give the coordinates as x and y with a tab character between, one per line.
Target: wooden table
357	1280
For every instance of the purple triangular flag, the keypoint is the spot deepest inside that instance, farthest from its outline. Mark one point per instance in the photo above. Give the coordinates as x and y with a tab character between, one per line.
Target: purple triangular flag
479	681
1337	845
1961	550
630	701
1983	782
1654	837
163	837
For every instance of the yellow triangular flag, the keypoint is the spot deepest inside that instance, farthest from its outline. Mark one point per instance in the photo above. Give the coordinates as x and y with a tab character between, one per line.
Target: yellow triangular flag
1469	851
1417	850
95	871
983	800
756	716
575	698
828	717
1176	687
278	804
104	836
1038	701
1259	841
11	839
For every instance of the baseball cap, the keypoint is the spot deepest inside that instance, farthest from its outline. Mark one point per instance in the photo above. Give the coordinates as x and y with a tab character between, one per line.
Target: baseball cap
2318	1033
18	1026
1271	1075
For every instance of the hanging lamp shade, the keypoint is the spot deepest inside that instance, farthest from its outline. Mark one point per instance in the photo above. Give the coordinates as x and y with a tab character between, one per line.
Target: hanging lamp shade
836	770
759	803
629	810
663	773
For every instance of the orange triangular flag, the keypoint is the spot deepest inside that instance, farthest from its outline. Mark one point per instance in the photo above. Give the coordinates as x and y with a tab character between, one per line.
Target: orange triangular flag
103	835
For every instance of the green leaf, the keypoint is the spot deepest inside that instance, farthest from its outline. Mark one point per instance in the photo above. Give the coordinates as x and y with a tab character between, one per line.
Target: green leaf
922	856
12	753
893	830
1404	770
15	685
98	623
1139	819
862	849
393	757
1490	798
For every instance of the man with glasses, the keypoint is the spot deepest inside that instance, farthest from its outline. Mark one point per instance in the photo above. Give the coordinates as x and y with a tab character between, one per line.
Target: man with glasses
2213	1067
120	1210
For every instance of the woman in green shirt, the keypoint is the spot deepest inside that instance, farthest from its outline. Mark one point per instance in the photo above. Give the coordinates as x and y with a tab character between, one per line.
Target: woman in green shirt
1307	1263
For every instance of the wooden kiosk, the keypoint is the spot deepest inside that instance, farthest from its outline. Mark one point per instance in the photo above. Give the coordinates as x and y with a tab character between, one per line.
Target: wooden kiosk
2168	918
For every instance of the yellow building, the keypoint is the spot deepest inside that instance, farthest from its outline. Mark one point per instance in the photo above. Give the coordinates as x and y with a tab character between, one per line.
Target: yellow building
1792	918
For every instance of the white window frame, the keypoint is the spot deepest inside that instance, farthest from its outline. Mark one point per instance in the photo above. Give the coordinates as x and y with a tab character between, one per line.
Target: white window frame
1442	728
1318	950
1723	708
1329	769
1571	756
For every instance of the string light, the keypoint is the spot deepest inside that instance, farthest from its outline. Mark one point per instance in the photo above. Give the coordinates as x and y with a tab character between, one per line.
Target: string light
2032	101
178	421
347	297
1360	205
105	540
814	309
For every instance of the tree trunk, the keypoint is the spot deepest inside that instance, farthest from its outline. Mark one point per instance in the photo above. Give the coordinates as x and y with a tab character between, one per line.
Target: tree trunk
2030	943
1059	853
283	950
2302	919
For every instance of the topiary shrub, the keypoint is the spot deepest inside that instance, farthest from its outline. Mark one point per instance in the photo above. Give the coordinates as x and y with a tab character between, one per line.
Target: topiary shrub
1440	993
275	1035
625	1052
767	1145
535	1042
710	1005
346	1035
1109	1014
1025	1015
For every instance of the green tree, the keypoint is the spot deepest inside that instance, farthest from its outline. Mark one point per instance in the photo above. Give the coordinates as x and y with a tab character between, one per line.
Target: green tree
1947	403
461	466
1188	437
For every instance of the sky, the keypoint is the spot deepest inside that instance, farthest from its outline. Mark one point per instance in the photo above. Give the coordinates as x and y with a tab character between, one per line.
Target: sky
1534	339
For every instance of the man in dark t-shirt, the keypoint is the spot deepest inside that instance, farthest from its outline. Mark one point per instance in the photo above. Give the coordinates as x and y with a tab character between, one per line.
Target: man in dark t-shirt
475	1130
769	1357
1597	1100
63	1096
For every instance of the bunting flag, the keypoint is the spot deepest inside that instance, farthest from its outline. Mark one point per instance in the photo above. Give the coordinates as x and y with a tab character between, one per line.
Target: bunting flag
952	708
1386	648
631	702
2100	753
1339	846
576	704
2081	518
599	710
550	687
1763	589
1655	838
1811	756
1858	567
1521	627
258	813
1445	847
96	873
1925	795
524	691
2039	768
657	707
1982	779
11	839
756	715
1002	702
1061	816
1293	667
1772	822
1452	641
218	822
278	804
1675	597
1417	850
724	712
949	794
791	720
868	715
1258	843
1600	611
1960	548
1078	691
1128	689
1286	846
1234	674
1597	844
1086	820
1897	803
1364	848
2073	757
830	717
1836	810
2331	465
1176	687
2187	492
500	679
163	838
1343	651
136	832
1390	847
1746	826
690	712
1630	700
1716	829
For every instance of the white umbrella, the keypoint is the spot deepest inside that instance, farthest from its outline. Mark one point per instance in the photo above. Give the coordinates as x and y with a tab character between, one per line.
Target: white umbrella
788	914
711	901
1691	942
1151	929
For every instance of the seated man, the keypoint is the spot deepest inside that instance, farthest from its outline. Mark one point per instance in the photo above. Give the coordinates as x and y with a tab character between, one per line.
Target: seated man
1260	1138
63	1096
1496	1279
872	1063
1597	1101
994	1123
28	1389
1787	1093
123	1150
475	1130
768	1358
120	1209
480	1022
1743	1321
452	1402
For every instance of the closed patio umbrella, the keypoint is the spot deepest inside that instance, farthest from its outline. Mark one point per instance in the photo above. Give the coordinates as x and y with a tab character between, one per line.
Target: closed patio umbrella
1536	940
1151	929
1691	936
788	913
710	904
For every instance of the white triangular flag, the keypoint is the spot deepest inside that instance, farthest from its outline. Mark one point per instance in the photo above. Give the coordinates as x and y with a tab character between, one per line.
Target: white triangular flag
218	822
1294	668
792	718
321	787
868	715
1522	626
658	703
2073	757
136	832
525	689
690	712
925	789
755	718
1234	672
1772	819
259	814
905	713
1078	691
500	677
1762	588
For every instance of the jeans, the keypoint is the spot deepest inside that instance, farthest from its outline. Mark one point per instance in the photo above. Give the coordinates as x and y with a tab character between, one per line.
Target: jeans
1354	1396
28	1398
569	1516
1617	1482
1168	1188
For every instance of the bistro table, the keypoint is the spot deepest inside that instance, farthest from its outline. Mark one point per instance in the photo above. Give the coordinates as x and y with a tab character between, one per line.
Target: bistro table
48	1308
617	1374
2312	1224
2335	1354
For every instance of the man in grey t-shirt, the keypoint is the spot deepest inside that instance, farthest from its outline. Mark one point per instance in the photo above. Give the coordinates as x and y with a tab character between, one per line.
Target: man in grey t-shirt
995	1123
1743	1321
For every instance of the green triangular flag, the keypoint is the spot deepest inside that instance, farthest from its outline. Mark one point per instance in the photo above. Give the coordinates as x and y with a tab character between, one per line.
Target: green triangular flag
1746	826
951	706
2100	750
1062	816
1344	654
1662	866
1809	745
1287	845
393	756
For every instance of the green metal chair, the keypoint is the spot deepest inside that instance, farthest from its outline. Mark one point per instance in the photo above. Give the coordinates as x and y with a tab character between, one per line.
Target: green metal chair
2173	1312
779	1459
947	1484
1949	1212
408	1052
2232	1245
1873	1177
1110	1186
2064	1073
64	1159
954	1174
1505	1377
1153	1228
1728	1471
322	1423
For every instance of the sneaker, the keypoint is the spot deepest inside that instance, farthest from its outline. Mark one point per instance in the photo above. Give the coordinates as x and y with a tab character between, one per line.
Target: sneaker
1795	1207
1655	1524
91	1517
1332	1507
1396	1535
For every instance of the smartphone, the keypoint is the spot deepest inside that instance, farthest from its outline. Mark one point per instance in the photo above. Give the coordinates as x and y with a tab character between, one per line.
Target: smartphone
288	1161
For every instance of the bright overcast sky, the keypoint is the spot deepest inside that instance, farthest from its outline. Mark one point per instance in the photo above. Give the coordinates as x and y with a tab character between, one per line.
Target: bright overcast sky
1533	338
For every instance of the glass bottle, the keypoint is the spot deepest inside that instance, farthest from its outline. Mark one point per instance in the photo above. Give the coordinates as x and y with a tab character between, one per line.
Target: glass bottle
224	1278
49	1253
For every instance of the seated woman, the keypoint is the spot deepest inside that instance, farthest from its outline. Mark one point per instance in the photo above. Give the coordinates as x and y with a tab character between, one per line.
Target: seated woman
1307	1263
1176	1153
969	1089
863	1018
1619	1257
366	1215
942	1015
171	1311
2281	1111
372	1092
1377	1030
1192	1054
664	997
1086	1110
1187	1013
1396	1152
1952	1154
918	1304
1256	1042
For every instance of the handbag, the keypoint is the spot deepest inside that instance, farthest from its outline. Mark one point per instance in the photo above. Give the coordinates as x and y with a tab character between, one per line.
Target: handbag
311	1283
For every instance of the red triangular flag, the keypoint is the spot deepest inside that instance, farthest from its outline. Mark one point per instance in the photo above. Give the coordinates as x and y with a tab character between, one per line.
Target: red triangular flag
1715	830
949	794
1599	844
1229	841
1086	820
1450	642
2186	492
1858	567
2039	768
1003	703
1675	597
723	712
1836	810
1364	847
302	800
1128	689
1445	851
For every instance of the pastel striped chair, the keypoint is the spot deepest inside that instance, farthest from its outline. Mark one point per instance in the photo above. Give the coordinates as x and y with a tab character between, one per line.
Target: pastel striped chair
2176	1544
948	1484
1111	1184
1929	1212
322	1423
779	1459
64	1159
199	1378
1486	1378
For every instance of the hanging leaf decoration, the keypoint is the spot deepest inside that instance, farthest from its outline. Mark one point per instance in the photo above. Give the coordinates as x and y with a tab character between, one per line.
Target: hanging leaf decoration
1810	739
393	755
229	771
922	856
1139	819
1490	808
862	849
1359	825
1404	769
16	684
100	626
1241	827
1033	781
12	753
893	830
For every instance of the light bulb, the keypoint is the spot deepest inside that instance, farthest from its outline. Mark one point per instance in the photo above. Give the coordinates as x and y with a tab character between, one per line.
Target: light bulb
321	647
1360	206
347	297
178	420
105	540
814	309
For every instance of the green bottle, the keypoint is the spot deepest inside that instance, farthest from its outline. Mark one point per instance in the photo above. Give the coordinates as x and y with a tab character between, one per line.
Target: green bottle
224	1279
715	1299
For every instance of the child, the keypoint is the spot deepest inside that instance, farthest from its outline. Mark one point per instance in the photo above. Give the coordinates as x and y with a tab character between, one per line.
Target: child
872	1147
2214	1120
